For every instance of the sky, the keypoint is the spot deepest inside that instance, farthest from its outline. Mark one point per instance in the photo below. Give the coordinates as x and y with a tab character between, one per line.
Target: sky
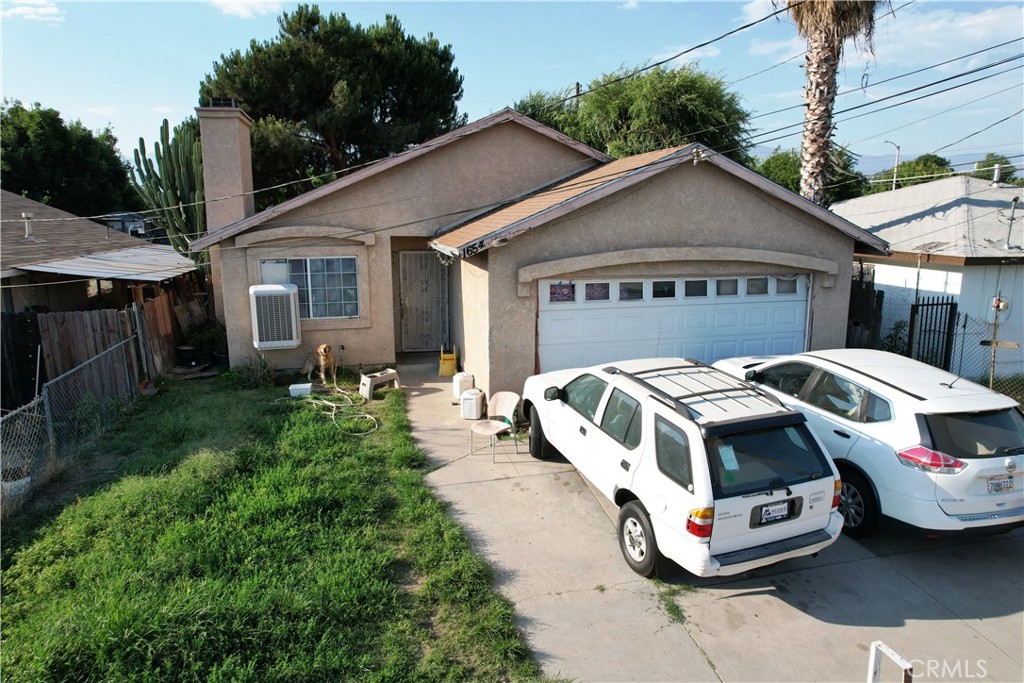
129	65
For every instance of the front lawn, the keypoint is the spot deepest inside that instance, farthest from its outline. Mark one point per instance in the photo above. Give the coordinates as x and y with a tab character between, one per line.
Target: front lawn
243	538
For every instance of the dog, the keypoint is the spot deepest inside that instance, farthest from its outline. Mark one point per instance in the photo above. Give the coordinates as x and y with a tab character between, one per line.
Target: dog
321	360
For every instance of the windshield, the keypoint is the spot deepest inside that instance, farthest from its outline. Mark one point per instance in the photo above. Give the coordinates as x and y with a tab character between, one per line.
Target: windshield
763	459
978	435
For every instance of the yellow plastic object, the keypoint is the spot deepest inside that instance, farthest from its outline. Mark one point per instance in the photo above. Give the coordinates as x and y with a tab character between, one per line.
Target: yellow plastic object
448	363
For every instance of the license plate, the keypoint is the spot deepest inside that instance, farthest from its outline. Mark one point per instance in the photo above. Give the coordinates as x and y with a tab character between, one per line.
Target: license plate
1000	483
773	512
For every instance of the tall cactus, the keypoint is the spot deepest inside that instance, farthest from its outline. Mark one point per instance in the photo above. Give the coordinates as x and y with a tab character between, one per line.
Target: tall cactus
172	187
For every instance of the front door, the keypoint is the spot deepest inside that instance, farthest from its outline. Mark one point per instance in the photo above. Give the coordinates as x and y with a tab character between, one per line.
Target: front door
423	293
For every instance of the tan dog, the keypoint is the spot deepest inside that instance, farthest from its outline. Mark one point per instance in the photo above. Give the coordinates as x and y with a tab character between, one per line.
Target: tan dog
321	360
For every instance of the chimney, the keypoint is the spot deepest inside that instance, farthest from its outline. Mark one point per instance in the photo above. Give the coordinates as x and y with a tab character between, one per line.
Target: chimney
227	178
227	163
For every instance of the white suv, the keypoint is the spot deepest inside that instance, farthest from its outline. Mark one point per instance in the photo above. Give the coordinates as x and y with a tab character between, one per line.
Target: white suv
707	470
912	442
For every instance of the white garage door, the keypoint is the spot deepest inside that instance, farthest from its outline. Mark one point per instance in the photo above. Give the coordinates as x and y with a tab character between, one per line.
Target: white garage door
588	322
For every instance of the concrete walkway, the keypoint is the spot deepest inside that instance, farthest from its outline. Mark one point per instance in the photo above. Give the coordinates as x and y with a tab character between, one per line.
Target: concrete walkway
953	606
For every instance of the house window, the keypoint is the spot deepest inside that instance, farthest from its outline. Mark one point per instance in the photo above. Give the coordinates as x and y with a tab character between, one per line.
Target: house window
328	287
631	291
729	287
695	288
757	285
664	289
597	291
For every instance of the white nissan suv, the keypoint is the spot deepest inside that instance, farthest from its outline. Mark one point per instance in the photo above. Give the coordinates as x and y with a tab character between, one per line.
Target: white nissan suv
912	442
706	469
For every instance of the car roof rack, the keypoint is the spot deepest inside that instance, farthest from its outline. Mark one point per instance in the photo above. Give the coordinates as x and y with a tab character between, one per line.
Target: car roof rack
689	377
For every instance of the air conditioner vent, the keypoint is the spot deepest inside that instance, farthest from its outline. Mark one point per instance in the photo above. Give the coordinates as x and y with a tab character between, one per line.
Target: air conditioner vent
275	316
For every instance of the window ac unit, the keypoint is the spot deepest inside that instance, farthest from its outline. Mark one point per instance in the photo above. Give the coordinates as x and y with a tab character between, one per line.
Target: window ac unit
275	316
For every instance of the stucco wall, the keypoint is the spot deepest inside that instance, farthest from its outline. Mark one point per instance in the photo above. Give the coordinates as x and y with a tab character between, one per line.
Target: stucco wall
412	200
476	321
701	208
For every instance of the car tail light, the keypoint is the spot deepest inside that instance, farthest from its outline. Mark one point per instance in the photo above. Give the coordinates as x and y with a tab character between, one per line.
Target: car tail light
837	494
927	460
700	521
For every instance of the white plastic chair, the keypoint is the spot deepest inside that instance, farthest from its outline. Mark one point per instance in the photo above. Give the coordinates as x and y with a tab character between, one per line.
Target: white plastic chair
501	418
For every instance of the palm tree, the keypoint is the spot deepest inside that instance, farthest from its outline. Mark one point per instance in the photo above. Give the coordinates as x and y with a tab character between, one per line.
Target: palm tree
826	24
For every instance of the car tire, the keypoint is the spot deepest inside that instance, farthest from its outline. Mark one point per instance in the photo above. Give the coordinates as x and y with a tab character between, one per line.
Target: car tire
858	506
636	539
540	447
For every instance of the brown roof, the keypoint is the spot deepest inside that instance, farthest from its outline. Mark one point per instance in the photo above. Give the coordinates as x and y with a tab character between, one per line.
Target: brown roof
505	115
62	242
561	198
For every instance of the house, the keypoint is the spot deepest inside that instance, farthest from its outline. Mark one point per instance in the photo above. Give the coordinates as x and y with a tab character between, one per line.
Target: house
528	251
958	237
52	260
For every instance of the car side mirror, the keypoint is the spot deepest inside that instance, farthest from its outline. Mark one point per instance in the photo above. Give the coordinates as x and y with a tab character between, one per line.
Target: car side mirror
551	394
751	376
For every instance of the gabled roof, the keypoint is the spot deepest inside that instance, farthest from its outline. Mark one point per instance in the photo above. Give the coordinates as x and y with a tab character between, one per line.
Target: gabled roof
60	242
959	220
563	197
505	115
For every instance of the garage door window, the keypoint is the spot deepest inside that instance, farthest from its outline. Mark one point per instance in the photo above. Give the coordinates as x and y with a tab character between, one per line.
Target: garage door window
785	285
757	286
727	287
597	291
561	293
695	288
631	291
664	289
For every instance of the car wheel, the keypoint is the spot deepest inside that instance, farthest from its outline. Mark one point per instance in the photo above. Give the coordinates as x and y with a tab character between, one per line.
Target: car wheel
636	539
858	506
540	447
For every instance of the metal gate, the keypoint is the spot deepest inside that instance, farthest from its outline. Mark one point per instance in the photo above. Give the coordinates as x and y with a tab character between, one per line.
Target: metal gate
932	328
423	288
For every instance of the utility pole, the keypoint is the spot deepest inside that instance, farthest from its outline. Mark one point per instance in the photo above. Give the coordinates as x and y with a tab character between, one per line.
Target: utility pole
896	166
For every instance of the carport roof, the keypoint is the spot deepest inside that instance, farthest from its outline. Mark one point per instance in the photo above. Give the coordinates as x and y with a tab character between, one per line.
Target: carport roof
61	242
561	198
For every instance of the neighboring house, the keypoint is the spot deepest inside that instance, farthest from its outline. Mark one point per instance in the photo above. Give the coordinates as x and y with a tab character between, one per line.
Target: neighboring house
51	260
951	237
129	223
529	251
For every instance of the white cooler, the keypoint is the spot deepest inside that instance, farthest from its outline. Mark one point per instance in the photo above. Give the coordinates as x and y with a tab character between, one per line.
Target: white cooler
472	404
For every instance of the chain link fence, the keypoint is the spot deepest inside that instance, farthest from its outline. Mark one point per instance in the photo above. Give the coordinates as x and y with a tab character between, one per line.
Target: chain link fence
41	438
988	351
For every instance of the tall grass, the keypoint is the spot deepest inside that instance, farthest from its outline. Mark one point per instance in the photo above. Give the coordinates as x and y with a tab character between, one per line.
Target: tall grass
282	549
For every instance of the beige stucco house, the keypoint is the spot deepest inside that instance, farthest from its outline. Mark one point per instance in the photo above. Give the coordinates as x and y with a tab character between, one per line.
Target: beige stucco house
529	251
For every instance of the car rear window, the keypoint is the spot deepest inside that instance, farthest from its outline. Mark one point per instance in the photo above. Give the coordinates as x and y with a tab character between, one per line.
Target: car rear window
977	435
758	460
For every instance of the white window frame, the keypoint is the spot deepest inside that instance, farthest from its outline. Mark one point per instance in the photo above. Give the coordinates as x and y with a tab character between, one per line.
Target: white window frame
271	273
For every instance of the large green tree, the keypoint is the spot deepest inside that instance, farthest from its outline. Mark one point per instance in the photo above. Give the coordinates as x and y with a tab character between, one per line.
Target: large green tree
844	181
987	168
61	164
327	94
623	114
923	169
826	25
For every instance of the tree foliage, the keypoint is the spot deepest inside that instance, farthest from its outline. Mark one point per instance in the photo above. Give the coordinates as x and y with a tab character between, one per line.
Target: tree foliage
623	115
986	168
826	25
171	185
327	94
844	181
923	169
64	165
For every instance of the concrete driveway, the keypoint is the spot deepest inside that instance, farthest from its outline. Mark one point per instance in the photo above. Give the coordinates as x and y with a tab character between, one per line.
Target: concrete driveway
954	607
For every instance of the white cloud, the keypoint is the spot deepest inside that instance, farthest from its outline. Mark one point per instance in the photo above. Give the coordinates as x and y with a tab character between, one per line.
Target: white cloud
247	9
778	48
35	10
630	4
758	9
